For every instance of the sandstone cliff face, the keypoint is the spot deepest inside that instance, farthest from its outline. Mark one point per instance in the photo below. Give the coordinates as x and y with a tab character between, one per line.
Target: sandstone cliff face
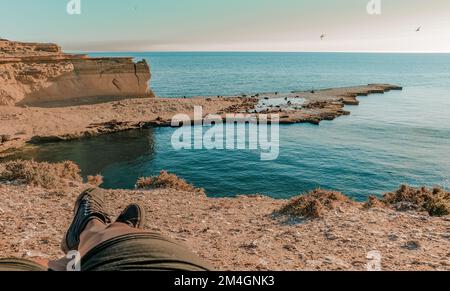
33	73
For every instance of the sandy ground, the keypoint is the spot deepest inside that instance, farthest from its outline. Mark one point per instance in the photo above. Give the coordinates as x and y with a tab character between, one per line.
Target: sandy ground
89	117
238	233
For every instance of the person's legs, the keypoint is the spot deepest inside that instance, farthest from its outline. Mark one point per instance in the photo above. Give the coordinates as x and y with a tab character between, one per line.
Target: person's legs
90	236
18	265
122	245
96	233
90	218
130	221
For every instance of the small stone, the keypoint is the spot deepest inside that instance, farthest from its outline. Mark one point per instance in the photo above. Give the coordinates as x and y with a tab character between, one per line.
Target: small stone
412	246
331	236
4	138
290	248
405	206
393	237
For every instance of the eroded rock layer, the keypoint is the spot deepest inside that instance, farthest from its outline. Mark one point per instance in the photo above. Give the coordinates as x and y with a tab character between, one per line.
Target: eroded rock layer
34	73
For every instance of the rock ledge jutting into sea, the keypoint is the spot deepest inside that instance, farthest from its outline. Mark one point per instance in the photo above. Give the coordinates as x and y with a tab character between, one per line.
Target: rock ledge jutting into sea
47	95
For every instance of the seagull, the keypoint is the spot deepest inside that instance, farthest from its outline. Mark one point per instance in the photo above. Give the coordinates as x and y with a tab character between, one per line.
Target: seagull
322	36
418	29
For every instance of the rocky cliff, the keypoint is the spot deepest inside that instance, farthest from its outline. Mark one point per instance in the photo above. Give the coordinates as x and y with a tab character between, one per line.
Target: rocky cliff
34	73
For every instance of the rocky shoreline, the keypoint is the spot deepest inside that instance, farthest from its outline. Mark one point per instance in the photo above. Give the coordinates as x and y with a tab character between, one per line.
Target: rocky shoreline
47	95
88	117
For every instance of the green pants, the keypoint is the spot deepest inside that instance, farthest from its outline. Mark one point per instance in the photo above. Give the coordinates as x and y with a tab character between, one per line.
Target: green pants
133	252
19	265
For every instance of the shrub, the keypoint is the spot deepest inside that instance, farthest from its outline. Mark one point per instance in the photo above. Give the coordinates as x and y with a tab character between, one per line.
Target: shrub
435	201
96	180
44	175
374	202
166	180
314	204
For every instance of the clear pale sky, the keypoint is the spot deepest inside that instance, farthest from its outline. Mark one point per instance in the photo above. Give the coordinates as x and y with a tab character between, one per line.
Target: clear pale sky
231	25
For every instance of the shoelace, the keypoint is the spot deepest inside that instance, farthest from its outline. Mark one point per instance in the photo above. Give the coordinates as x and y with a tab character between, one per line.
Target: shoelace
87	207
92	206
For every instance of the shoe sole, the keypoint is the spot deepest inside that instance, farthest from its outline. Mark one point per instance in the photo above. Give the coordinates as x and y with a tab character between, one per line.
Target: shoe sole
142	216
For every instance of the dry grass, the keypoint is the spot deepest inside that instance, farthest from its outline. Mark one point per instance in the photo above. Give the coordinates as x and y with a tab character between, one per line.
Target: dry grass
374	202
96	180
435	201
46	175
166	180
314	204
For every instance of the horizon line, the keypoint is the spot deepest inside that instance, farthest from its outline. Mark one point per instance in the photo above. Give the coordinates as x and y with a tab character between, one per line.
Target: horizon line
256	51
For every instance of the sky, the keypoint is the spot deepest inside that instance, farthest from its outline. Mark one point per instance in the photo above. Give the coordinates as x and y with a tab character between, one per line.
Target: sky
231	25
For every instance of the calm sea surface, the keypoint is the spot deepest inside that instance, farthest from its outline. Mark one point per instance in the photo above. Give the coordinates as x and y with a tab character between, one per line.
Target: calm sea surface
399	137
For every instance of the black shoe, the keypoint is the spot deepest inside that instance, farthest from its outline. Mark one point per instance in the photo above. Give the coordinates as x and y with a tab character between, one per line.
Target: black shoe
133	215
89	206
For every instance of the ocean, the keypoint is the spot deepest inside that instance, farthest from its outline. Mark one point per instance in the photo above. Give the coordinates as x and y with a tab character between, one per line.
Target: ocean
401	137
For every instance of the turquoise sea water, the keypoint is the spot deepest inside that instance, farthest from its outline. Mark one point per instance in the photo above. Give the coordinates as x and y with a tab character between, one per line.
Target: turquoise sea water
399	137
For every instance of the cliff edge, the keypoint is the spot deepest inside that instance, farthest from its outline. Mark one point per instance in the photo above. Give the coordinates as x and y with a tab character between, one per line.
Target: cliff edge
319	230
35	73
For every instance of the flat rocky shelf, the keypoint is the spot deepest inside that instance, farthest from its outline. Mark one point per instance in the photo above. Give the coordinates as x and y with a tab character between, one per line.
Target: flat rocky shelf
87	117
48	95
